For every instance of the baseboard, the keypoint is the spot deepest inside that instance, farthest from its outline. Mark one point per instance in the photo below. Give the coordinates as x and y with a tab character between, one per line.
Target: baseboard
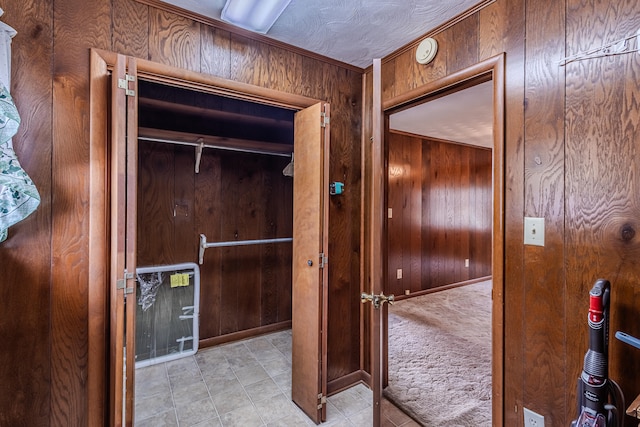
441	288
240	335
347	381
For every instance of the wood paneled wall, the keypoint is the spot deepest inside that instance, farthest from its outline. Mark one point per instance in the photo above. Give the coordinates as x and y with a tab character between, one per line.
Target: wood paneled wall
571	140
44	263
235	196
440	195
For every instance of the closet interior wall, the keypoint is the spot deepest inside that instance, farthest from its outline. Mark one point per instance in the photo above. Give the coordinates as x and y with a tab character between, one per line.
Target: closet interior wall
234	196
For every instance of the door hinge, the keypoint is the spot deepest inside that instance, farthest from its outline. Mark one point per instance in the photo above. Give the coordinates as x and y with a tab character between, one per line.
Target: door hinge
123	84
122	283
323	260
322	400
324	120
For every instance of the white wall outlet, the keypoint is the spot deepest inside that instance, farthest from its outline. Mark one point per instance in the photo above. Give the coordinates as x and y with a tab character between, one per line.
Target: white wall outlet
389	213
466	262
399	273
532	419
534	231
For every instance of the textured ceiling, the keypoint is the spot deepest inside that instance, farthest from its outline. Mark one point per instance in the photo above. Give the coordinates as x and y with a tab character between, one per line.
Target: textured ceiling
351	31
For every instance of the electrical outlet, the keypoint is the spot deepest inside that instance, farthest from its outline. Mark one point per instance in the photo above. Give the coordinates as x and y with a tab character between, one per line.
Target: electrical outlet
532	419
466	262
399	273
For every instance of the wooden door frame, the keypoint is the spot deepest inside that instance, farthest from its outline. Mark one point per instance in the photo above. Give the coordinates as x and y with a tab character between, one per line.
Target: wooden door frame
101	64
491	69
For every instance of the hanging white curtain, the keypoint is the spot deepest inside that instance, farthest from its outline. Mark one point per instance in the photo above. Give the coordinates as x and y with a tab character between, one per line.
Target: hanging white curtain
18	195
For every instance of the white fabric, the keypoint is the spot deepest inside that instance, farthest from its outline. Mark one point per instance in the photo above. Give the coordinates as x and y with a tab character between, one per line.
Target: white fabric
18	195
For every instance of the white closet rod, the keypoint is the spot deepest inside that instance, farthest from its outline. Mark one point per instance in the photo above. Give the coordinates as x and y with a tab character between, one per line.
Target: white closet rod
204	244
216	147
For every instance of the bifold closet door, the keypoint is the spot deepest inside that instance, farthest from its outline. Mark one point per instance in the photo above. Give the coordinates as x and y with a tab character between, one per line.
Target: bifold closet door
310	241
123	197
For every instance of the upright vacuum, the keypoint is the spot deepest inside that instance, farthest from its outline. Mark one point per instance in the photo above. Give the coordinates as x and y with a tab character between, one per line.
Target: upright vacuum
599	397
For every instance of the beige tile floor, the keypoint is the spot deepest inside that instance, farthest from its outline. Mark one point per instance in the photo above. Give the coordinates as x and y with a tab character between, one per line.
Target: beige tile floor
246	383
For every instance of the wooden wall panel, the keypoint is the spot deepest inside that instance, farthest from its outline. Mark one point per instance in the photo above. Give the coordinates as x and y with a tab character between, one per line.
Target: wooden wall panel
77	26
207	195
434	228
602	184
240	286
156	183
25	257
412	157
216	54
288	69
555	159
130	28
544	334
464	36
249	61
343	89
174	40
512	27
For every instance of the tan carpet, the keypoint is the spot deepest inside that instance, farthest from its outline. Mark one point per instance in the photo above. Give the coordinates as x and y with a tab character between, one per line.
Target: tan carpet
440	357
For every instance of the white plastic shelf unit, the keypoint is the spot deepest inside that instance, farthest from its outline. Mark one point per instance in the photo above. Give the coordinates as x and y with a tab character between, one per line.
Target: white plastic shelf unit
167	312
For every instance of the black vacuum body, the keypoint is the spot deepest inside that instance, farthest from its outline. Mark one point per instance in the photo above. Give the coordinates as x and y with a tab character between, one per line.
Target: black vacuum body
598	396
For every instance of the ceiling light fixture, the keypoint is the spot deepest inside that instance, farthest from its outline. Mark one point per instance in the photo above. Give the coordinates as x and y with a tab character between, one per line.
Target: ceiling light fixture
253	15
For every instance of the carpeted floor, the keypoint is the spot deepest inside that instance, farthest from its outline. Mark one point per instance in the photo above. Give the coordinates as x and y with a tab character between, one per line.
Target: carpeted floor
440	357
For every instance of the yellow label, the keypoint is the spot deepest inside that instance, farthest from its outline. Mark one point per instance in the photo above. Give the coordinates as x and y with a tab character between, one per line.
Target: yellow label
179	279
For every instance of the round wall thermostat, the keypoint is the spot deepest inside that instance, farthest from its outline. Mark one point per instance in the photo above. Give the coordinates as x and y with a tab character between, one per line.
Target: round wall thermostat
426	50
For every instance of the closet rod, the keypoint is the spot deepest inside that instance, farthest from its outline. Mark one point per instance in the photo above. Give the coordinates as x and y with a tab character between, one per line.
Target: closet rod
216	147
204	244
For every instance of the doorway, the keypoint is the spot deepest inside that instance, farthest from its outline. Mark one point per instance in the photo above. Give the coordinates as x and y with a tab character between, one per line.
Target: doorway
489	71
439	203
114	151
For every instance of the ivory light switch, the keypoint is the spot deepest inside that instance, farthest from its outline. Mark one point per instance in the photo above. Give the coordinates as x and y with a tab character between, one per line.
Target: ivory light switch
534	231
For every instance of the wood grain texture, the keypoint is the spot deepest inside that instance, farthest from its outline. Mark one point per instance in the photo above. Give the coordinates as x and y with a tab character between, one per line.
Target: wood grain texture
544	333
249	61
602	184
25	257
241	287
130	28
431	185
215	52
78	25
174	40
207	196
512	22
344	216
464	36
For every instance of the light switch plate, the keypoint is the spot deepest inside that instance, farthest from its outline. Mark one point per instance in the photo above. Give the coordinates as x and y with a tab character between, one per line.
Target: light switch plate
534	231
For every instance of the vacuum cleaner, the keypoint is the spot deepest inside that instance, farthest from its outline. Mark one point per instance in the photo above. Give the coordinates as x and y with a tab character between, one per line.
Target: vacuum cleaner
599	397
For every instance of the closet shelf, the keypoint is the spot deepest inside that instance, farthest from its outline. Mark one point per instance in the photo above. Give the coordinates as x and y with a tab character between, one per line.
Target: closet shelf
216	142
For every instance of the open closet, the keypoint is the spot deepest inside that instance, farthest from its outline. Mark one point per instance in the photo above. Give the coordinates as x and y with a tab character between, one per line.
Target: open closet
215	188
195	171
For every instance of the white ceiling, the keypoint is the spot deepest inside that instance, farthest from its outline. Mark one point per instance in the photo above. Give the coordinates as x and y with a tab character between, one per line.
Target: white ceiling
465	116
357	31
